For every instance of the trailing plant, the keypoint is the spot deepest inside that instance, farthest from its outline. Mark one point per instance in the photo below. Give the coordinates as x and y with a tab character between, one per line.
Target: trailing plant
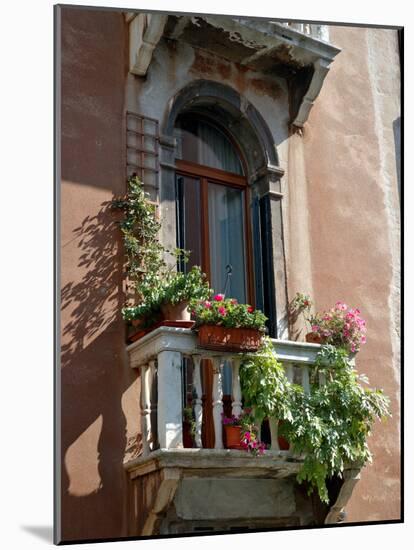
140	228
227	313
330	425
264	385
152	280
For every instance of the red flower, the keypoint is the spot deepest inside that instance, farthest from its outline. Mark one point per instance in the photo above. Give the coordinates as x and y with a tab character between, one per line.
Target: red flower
219	297
250	309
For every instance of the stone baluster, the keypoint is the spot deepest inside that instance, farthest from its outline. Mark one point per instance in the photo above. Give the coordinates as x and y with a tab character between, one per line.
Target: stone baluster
145	410
170	399
217	402
289	376
289	372
305	380
152	392
198	404
257	425
274	428
236	406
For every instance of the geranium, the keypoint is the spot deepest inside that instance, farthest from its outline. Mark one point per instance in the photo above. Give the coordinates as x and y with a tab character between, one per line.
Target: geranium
251	443
228	313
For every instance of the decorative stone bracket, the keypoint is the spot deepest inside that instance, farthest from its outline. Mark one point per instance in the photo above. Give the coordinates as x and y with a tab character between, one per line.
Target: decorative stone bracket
145	31
268	46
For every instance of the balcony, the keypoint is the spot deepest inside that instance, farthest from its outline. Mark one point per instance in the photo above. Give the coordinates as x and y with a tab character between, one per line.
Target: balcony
188	477
298	52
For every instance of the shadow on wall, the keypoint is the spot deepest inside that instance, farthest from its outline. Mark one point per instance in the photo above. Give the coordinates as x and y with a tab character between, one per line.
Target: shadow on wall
93	381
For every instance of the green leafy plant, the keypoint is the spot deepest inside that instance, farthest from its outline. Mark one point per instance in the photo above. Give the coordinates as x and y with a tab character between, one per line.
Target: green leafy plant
330	425
152	280
227	313
264	385
140	228
183	287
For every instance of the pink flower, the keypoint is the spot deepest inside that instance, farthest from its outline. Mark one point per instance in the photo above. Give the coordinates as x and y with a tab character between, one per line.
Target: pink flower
315	328
223	311
363	339
207	304
219	297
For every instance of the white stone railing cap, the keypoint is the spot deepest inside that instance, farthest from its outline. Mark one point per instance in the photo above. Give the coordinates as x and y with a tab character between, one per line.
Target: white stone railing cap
184	341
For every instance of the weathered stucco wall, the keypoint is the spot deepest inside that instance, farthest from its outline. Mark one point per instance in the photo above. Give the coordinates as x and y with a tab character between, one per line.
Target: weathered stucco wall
175	64
99	398
341	233
353	202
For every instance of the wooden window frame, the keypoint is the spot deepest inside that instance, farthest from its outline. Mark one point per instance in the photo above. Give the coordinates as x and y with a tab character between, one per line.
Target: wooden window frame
205	174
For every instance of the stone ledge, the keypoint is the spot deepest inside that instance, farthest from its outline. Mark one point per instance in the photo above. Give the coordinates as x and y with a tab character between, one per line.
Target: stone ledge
215	463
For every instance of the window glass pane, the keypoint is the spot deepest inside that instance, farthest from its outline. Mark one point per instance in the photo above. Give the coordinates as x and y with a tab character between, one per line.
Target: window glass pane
189	218
226	232
203	143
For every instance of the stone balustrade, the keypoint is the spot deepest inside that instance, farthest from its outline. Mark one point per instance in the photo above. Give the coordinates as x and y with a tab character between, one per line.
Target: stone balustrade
159	355
321	32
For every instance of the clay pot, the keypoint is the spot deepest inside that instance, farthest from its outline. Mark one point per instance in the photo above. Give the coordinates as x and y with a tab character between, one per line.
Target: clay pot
314	338
232	436
220	338
177	312
283	443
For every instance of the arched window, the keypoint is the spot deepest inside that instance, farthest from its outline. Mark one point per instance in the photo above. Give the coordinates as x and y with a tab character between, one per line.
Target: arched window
212	206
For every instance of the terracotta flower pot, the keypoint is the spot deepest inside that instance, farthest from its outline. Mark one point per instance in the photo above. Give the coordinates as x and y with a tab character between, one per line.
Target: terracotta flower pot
232	436
221	338
176	312
314	338
283	442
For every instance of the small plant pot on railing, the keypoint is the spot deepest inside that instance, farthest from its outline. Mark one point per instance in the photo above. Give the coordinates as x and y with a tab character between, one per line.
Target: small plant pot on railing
313	338
176	312
219	338
232	437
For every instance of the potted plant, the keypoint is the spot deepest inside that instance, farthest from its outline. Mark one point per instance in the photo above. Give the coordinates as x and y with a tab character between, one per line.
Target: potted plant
301	305
158	293
232	431
179	289
265	388
341	326
225	325
240	433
